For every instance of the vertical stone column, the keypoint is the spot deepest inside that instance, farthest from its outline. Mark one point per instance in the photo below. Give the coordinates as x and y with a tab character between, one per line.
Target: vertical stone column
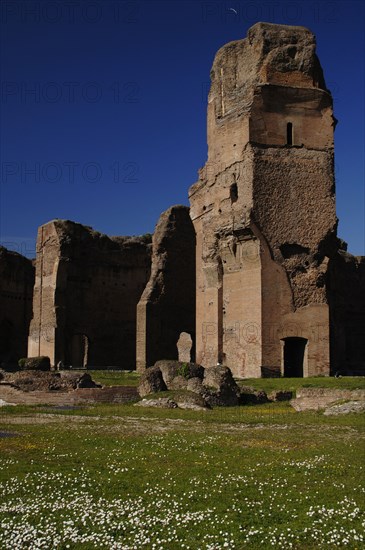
167	305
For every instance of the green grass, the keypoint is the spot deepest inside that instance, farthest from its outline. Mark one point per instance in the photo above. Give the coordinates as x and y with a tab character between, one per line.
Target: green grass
292	384
119	476
115	378
131	378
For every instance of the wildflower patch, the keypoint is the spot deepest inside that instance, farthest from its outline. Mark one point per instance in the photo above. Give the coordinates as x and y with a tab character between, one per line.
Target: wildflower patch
88	485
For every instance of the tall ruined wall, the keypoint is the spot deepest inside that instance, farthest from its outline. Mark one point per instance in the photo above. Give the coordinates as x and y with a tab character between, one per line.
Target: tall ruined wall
85	297
264	206
16	292
346	294
167	306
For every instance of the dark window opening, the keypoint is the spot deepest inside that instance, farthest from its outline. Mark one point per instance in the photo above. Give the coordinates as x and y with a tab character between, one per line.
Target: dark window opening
294	350
289	133
293	249
233	192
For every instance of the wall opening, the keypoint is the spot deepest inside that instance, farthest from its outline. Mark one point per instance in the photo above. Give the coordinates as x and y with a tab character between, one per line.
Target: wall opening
294	352
233	192
79	351
292	249
289	133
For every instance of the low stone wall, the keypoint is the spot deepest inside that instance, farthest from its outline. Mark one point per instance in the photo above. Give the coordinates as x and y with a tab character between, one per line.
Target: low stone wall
111	394
320	398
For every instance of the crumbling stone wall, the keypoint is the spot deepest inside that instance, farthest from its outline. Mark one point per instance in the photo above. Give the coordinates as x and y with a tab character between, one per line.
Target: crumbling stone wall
86	292
275	292
167	306
264	207
16	292
346	295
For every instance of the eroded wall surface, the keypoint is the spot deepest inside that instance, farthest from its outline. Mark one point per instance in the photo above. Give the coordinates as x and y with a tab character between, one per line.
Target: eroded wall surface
16	292
346	294
264	207
167	306
86	292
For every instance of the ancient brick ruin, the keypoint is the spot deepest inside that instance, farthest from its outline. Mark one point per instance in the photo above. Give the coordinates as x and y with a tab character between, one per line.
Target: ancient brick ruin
85	296
253	275
167	305
16	294
346	295
264	208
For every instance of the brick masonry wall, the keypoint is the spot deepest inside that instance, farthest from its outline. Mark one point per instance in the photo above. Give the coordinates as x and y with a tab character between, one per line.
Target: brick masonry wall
110	394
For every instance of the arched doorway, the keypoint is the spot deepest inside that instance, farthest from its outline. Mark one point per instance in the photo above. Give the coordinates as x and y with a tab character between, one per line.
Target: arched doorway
79	351
294	356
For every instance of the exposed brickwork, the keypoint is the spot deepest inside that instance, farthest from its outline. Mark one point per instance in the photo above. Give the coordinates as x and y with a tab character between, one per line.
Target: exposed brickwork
264	207
346	293
320	398
16	293
275	291
85	297
112	394
167	306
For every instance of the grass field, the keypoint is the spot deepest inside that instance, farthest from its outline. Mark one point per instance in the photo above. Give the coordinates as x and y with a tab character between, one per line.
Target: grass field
115	378
131	378
124	477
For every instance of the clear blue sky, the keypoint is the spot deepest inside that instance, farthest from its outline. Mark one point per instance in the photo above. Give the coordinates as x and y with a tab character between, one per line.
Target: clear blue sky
103	106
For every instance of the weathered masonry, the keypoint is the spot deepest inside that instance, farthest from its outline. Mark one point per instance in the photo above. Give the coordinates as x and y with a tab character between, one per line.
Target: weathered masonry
16	293
252	277
264	208
346	294
167	305
85	297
